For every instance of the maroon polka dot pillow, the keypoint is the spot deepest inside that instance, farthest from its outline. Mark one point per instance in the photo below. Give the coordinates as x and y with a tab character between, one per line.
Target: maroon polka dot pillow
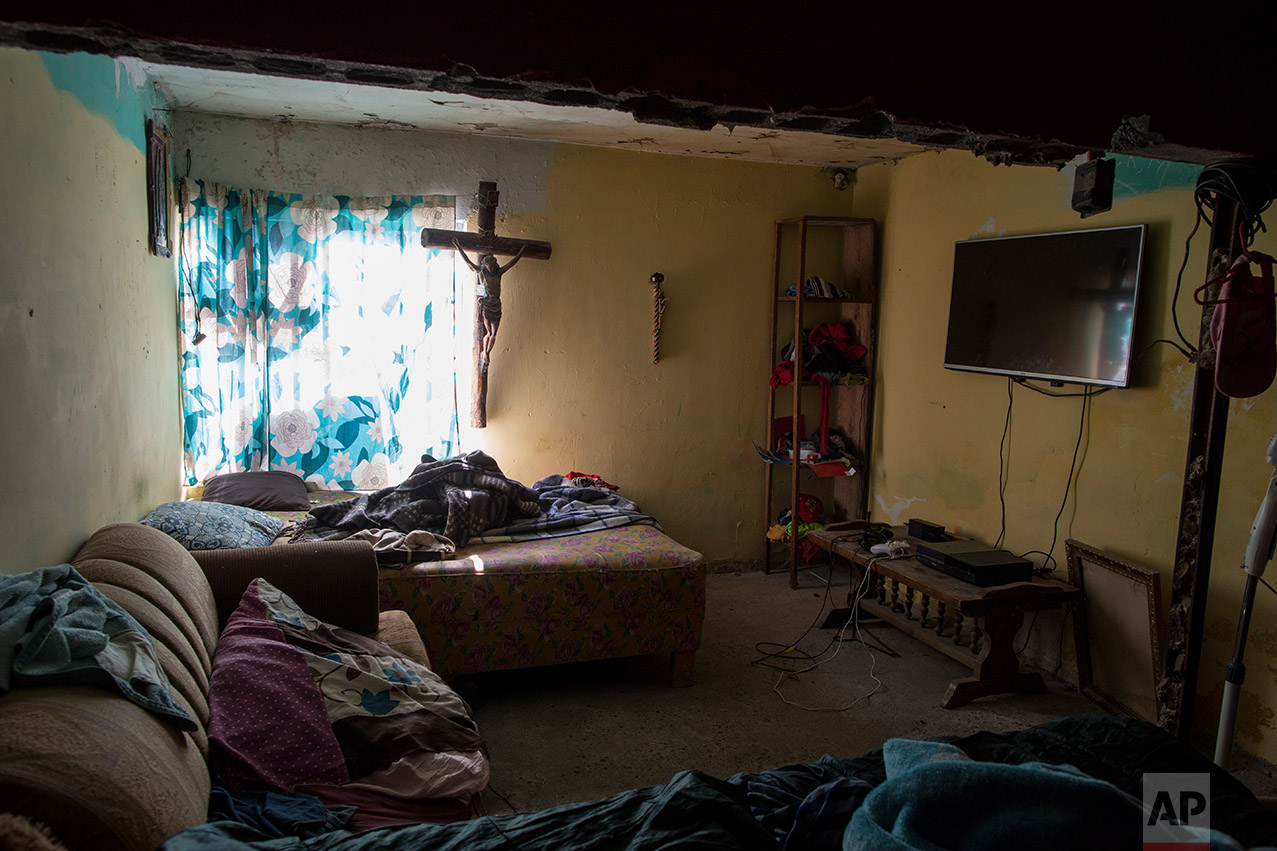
268	728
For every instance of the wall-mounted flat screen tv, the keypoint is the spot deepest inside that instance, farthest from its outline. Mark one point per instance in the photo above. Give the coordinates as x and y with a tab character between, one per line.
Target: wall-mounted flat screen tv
1054	306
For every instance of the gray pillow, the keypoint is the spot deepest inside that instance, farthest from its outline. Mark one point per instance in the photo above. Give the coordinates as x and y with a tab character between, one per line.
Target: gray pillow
265	490
213	525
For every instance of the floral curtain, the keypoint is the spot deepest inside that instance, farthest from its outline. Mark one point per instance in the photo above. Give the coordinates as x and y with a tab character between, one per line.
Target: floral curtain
317	335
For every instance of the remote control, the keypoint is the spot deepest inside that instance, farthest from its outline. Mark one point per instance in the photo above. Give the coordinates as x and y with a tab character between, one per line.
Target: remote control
890	548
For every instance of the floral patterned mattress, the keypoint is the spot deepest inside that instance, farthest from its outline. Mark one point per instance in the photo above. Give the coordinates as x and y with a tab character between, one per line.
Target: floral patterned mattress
618	592
627	591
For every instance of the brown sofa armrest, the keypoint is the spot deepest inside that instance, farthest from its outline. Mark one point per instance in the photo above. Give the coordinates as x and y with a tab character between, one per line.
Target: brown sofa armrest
399	633
335	581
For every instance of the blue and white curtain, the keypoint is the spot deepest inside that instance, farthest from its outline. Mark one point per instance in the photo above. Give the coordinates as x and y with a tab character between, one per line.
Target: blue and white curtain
317	335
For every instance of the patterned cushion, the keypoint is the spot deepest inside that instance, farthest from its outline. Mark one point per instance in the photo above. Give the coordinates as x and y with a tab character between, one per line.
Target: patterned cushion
213	525
296	703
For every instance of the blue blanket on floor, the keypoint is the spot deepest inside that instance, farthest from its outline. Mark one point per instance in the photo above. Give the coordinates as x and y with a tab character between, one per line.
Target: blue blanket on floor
937	797
56	628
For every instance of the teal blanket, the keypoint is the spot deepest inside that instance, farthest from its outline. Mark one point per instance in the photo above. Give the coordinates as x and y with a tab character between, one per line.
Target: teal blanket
692	811
56	628
937	797
1069	783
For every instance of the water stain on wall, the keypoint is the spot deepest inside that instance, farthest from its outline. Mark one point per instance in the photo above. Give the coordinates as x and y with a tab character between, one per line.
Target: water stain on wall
895	508
1254	717
961	492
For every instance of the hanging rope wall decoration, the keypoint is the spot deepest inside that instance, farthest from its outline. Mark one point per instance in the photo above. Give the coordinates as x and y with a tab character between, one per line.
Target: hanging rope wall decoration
658	308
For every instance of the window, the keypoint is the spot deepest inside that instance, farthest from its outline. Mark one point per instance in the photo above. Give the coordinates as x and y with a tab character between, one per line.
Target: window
317	335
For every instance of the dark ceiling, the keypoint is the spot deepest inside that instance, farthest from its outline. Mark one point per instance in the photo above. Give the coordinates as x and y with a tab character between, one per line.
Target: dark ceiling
1016	83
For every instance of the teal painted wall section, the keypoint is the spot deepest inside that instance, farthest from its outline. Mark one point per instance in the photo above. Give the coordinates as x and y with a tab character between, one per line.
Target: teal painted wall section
116	90
1138	176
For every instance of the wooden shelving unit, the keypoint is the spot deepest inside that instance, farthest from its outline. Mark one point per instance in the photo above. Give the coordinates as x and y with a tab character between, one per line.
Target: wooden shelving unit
843	252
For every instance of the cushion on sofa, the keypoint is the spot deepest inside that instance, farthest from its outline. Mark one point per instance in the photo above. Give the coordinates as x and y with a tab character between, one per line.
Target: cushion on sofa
213	525
265	490
268	728
298	703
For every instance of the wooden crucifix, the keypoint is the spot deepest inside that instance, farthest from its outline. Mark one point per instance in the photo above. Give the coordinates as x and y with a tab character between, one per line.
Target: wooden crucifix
487	312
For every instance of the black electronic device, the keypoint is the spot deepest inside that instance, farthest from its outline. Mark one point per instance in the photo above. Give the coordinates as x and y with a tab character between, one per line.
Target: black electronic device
935	553
990	567
1055	306
925	530
974	562
1093	186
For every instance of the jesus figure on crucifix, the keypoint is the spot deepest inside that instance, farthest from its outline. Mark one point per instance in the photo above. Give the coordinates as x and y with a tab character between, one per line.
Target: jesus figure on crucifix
485	244
488	296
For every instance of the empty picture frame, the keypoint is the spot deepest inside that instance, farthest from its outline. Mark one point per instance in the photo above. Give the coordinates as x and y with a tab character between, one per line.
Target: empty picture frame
1117	627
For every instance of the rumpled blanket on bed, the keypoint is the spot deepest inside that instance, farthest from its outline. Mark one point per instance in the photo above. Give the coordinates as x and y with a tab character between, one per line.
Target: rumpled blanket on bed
568	509
468	500
457	498
57	628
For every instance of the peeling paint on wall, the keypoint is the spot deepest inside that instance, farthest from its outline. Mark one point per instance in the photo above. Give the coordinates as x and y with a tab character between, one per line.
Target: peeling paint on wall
347	160
989	228
1179	380
896	509
1139	176
116	89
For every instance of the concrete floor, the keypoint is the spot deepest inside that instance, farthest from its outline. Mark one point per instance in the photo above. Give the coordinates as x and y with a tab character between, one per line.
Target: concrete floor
584	731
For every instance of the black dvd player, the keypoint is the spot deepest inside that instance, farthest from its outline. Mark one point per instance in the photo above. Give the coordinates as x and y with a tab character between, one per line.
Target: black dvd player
976	563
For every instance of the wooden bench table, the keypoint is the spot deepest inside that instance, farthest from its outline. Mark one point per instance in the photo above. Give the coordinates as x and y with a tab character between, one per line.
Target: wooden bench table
974	625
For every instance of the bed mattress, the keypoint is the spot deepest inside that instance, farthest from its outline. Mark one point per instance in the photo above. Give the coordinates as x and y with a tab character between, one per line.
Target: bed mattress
618	592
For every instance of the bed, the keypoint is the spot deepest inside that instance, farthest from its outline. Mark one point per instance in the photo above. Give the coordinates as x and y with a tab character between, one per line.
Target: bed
564	571
627	591
1074	782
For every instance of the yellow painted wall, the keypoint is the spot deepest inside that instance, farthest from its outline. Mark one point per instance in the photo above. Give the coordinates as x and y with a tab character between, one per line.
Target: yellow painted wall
574	383
937	431
87	333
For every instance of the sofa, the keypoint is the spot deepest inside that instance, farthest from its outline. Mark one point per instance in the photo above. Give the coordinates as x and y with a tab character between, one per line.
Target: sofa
99	771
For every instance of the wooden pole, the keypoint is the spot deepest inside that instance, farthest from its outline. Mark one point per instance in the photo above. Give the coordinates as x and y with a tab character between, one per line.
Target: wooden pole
479	381
1208	424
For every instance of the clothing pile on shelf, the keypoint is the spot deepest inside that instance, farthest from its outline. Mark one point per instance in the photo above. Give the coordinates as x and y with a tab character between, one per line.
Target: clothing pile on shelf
817	287
829	351
810	512
835	447
829	354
